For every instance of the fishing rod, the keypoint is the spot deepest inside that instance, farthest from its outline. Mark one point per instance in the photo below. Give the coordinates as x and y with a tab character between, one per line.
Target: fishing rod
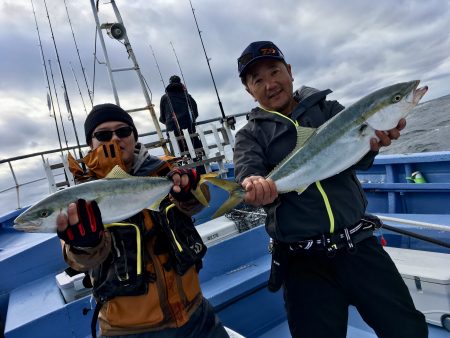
79	58
174	116
57	102
66	97
191	111
78	85
49	93
207	61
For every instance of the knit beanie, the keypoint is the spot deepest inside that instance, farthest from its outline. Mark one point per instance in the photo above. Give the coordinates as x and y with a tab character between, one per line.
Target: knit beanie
104	113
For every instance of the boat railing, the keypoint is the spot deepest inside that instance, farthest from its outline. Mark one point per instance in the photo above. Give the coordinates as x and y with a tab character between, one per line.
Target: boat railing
26	178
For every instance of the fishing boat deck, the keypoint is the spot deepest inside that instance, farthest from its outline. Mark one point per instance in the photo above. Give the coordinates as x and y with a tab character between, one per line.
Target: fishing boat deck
234	279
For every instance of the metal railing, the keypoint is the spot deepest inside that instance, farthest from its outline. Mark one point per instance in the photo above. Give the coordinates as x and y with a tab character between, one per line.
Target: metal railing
37	182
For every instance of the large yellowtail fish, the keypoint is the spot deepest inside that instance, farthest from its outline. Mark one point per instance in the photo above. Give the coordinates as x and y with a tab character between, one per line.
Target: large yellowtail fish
119	196
336	145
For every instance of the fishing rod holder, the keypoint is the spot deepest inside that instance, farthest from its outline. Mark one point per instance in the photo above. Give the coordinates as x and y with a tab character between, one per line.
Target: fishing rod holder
230	121
115	31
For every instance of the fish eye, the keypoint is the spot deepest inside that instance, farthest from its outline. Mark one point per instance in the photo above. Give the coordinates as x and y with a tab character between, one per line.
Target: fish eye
396	98
44	213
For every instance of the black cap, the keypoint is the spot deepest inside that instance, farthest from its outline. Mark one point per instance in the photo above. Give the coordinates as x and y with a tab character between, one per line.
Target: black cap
256	51
104	113
174	79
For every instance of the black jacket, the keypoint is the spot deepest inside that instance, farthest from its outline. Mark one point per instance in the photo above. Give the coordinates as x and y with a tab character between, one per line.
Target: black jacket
175	98
267	139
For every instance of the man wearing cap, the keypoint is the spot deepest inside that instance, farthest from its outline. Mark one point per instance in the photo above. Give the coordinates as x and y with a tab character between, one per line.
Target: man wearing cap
178	110
321	280
164	300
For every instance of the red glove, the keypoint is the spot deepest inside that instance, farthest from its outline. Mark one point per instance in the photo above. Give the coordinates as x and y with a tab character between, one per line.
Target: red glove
89	230
185	193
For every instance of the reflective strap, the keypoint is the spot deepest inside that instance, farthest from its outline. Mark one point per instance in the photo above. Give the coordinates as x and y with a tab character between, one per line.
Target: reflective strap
327	206
295	123
138	241
166	210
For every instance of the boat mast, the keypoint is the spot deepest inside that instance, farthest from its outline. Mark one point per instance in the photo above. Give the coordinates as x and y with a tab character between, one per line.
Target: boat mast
117	31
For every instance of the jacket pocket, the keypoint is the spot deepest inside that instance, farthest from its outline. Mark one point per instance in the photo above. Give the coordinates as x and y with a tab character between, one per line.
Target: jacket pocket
191	284
126	311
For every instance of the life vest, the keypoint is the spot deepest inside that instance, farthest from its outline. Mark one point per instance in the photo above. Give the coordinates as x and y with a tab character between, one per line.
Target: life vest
150	278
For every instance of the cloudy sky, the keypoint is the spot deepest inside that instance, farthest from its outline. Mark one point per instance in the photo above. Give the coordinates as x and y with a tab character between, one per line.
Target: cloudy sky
352	47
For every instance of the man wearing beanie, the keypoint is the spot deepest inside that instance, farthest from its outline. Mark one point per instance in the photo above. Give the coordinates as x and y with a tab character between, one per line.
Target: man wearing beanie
165	300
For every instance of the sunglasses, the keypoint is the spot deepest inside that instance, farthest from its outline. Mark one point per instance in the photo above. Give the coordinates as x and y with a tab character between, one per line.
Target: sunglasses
106	135
266	50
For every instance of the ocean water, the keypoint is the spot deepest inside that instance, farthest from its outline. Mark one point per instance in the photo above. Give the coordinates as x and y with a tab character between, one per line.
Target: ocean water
427	129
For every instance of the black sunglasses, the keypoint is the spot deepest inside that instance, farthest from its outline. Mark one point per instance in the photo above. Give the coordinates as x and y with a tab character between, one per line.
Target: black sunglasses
106	135
266	50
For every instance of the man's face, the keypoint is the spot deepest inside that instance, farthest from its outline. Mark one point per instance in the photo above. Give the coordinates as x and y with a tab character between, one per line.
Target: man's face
126	144
270	83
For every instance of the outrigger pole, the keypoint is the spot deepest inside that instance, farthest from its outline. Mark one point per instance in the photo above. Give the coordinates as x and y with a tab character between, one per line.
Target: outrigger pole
66	97
191	112
174	116
49	93
207	61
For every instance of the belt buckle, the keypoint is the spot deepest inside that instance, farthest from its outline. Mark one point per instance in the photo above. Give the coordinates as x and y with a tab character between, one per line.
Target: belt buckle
329	247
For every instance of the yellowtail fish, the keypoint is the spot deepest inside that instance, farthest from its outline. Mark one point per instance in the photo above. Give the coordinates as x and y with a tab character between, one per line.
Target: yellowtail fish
336	145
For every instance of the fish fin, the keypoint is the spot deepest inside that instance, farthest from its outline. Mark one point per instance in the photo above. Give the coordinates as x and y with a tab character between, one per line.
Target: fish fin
229	204
117	172
301	190
236	194
198	194
155	205
303	134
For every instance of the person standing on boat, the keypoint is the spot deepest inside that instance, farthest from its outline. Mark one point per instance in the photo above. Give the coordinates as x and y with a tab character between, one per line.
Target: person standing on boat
144	286
347	267
178	111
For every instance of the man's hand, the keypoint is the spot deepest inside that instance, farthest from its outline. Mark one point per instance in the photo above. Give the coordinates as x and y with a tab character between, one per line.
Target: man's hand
82	226
385	137
259	190
184	180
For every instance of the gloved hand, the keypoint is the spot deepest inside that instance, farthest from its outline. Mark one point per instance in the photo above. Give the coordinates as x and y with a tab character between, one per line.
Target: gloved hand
184	180
88	231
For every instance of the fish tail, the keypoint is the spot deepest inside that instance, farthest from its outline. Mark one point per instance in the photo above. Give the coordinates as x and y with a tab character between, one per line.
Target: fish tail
198	192
236	194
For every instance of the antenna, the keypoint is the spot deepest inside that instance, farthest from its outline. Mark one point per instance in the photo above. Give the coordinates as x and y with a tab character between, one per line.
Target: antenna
191	113
49	94
69	109
174	116
79	59
207	61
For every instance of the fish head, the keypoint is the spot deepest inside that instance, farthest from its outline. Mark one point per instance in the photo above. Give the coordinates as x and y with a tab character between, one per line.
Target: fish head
40	217
388	105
